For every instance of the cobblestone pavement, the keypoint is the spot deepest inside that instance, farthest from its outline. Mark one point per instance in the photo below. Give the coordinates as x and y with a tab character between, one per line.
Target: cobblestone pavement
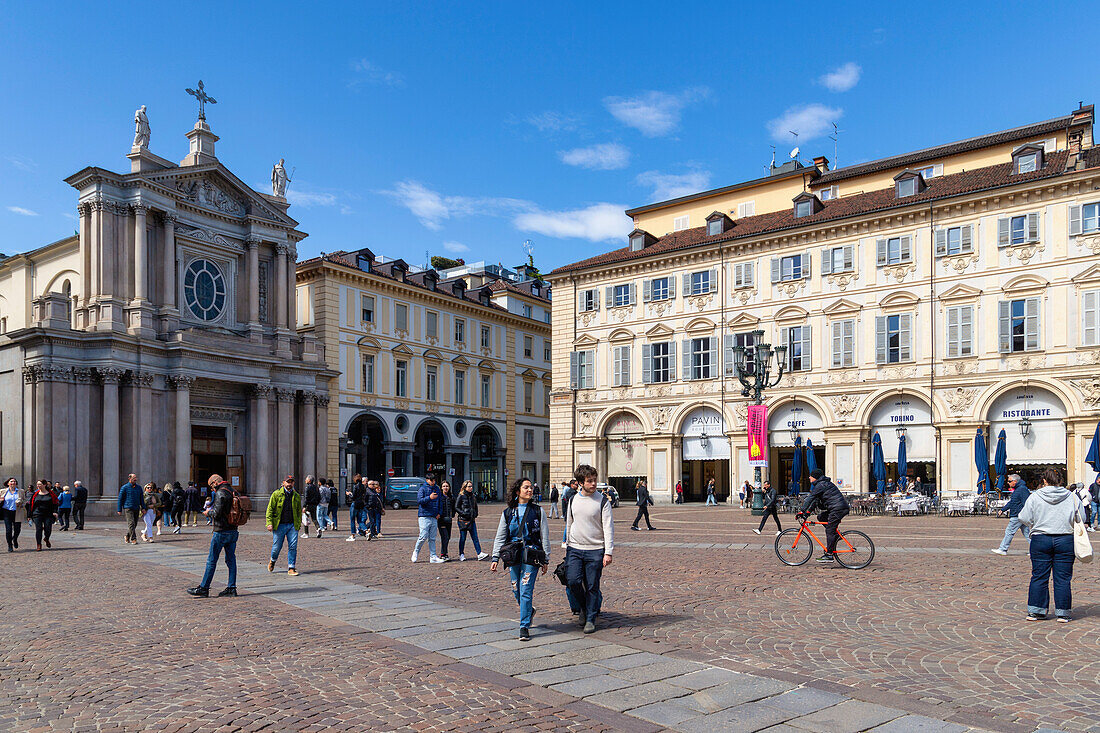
932	631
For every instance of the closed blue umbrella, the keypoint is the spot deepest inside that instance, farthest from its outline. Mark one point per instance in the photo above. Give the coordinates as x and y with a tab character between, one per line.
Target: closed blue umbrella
811	459
796	469
1000	461
878	465
903	465
981	460
1093	456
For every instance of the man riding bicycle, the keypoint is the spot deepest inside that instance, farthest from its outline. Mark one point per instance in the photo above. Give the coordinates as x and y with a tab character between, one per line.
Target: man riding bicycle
824	493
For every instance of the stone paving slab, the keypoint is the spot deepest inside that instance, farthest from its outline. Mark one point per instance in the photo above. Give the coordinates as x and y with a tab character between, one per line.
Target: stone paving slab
563	674
746	688
587	686
636	696
919	724
850	716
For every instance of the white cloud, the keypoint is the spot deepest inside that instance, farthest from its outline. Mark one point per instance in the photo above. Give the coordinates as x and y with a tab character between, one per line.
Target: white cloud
367	73
432	207
551	121
602	157
306	199
667	186
653	113
596	223
843	78
21	211
809	121
455	247
22	163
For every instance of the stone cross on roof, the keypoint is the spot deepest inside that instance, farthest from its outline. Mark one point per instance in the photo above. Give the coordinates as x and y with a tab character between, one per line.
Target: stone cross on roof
201	95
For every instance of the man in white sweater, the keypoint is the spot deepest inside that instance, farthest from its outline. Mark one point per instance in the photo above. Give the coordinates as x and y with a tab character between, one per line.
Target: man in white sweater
589	539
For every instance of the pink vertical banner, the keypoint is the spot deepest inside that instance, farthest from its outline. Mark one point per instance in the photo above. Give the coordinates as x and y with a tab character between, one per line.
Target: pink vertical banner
758	435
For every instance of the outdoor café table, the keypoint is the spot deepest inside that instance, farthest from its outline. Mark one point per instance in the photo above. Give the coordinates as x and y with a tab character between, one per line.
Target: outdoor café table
959	505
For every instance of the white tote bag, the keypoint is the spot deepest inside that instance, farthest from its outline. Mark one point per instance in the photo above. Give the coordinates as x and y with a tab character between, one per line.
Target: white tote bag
1082	548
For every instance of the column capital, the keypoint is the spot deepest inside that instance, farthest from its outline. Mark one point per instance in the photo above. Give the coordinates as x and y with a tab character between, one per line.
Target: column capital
169	218
282	394
306	397
282	249
33	373
252	241
260	391
84	208
323	400
139	209
109	375
179	381
83	375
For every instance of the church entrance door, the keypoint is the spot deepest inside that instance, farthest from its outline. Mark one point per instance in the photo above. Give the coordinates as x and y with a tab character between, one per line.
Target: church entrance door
208	452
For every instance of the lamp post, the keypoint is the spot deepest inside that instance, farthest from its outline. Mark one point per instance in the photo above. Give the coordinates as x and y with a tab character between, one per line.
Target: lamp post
1025	426
754	372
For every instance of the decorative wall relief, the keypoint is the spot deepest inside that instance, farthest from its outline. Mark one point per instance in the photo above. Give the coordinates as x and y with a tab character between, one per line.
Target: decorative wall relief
960	399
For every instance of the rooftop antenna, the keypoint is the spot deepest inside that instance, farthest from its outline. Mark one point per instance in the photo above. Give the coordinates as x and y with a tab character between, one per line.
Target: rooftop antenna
833	137
773	155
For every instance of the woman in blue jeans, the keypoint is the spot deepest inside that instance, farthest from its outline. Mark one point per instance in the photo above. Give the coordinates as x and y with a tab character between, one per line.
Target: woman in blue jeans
1050	513
524	520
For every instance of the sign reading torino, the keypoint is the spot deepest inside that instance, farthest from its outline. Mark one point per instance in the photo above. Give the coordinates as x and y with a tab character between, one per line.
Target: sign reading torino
758	435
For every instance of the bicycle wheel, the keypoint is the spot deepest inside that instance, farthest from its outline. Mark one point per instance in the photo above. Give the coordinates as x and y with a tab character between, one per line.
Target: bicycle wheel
793	549
855	550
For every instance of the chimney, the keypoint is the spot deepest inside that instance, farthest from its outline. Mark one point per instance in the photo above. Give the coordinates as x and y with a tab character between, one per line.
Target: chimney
822	164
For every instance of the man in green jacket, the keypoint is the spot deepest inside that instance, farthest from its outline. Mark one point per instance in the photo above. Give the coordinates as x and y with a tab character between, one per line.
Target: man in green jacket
284	517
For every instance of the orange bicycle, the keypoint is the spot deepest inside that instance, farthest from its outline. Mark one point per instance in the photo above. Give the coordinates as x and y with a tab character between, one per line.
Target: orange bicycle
854	550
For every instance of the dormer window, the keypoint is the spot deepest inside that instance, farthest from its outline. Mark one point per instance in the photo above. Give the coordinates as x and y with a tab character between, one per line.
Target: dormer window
430	279
1027	158
483	295
535	289
807	204
908	183
803	208
363	263
718	223
640	239
398	269
459	288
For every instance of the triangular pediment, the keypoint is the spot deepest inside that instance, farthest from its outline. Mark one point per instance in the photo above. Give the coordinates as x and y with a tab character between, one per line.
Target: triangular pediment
744	320
432	354
659	330
1090	275
460	359
962	291
486	365
213	187
837	307
529	374
586	340
402	349
368	342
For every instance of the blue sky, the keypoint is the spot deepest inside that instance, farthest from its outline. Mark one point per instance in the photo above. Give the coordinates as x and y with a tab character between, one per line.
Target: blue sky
465	129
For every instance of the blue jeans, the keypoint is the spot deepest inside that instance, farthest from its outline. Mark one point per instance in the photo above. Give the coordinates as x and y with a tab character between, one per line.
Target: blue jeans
1010	531
576	607
222	541
1095	517
583	569
322	517
288	533
472	530
428	528
364	521
375	517
353	518
1051	554
711	500
523	586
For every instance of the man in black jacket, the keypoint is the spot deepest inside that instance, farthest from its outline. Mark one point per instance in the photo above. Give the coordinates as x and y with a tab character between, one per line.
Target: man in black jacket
771	500
311	498
80	504
834	507
375	510
1020	492
643	501
179	506
357	508
224	538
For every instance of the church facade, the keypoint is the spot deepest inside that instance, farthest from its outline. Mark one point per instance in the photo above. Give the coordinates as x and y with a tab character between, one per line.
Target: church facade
160	339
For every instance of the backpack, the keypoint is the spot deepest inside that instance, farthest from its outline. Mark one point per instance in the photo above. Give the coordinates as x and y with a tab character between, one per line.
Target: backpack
239	510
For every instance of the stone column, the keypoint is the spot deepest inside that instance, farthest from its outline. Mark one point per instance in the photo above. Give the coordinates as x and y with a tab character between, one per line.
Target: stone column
309	435
143	426
291	289
252	243
281	251
81	463
183	426
141	254
321	461
284	427
40	418
169	295
109	482
60	406
259	470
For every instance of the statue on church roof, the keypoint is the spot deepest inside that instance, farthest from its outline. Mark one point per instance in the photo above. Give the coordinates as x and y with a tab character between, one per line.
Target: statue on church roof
279	179
141	131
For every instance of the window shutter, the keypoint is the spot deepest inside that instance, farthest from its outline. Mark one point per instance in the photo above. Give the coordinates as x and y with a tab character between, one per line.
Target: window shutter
806	264
880	252
633	293
838	344
1004	318
612	375
1091	330
573	370
627	374
1033	227
826	262
880	340
807	361
850	335
580	301
905	337
713	281
775	270
849	257
953	331
746	274
687	284
1031	323
966	239
729	364
609	296
713	351
906	249
671	287
966	330
941	242
647	290
647	363
1074	220
672	360
687	361
1003	232
595	299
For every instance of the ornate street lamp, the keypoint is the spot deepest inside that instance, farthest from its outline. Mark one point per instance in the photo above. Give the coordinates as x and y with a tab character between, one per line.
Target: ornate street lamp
900	432
624	442
1025	426
704	439
795	434
754	372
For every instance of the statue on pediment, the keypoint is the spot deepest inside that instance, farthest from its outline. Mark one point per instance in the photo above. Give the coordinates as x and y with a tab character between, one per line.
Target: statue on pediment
141	131
279	179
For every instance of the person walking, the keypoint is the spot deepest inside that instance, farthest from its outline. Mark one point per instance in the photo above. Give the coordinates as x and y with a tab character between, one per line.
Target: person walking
524	521
427	516
357	508
43	512
1085	498
283	518
466	510
130	499
179	505
64	508
164	511
567	495
834	507
446	519
194	503
1050	512
1020	493
224	539
80	504
325	494
589	541
771	501
333	506
375	510
643	501
13	504
679	492
741	493
1094	493
555	496
312	498
150	500
710	493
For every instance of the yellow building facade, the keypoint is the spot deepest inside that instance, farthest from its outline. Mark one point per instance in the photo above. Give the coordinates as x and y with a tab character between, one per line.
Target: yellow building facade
922	297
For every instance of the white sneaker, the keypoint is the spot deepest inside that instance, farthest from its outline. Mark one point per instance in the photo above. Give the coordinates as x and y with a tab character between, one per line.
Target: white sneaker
778	532
435	559
756	531
462	558
999	551
483	555
352	539
320	533
414	557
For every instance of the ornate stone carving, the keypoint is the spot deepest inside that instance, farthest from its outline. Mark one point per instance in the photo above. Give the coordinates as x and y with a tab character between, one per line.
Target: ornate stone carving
621	393
83	375
403	335
1027	362
141	129
142	379
698	388
179	381
842	376
658	390
205	235
279	179
585	422
797	380
169	217
1023	253
306	397
32	373
897	372
741	414
1088	357
700	302
1090	242
432	340
959	263
214	413
791	288
845	405
323	401
260	391
621	314
744	296
109	375
1090	390
139	209
282	394
205	193
960	399
252	241
401	404
263	291
961	366
842	279
660	416
660	308
587	318
369	399
585	395
899	272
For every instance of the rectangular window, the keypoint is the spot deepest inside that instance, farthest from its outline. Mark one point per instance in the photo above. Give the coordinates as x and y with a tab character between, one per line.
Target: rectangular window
1090	218
658	362
1027	163
620	366
700	282
366	302
748	208
1018	229
545	441
746	341
798	348
528	347
401	379
714	228
701	357
528	396
546	316
368	373
1019	325
486	390
838	259
486	337
829	194
546	353
589	300
960	331
658	289
1091	323
582	369
460	331
743	275
792	267
526	311
932	171
954	241
460	387
844	343
431	378
620	295
803	208
401	317
893	339
681	222
907	187
431	324
529	446
894	251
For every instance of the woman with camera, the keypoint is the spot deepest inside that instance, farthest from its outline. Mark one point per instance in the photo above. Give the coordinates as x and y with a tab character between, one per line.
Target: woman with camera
523	546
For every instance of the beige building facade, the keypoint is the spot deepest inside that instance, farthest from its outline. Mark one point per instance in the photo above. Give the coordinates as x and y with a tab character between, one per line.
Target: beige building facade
922	298
157	340
443	373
